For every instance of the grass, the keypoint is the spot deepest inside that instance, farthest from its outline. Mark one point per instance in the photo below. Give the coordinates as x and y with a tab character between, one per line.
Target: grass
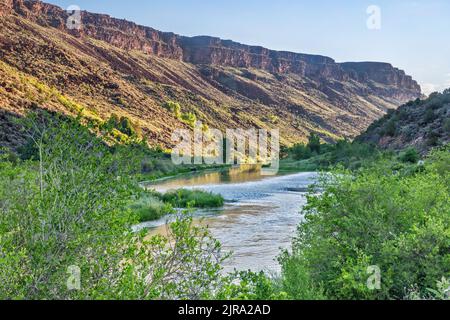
184	198
153	205
150	208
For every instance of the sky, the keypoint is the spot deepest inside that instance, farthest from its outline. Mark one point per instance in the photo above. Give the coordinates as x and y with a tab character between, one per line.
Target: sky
413	35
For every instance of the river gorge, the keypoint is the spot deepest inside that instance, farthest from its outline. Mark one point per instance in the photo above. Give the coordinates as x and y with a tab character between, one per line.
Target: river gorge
258	220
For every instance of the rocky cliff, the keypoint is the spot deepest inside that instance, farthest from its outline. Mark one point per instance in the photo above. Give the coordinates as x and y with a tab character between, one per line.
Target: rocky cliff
209	50
309	92
6	7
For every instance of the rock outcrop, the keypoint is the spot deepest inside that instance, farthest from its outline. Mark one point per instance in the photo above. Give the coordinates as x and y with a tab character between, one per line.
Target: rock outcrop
383	73
214	51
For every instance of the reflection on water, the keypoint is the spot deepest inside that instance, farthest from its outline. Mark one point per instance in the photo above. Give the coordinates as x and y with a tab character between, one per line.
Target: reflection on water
232	175
259	218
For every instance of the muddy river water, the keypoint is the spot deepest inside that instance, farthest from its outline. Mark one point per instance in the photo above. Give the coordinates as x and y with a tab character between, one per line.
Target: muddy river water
259	218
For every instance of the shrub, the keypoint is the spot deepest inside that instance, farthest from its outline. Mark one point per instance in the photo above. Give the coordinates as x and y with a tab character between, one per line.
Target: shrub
149	208
247	285
72	198
433	139
390	128
122	124
147	166
403	113
183	198
429	115
314	143
410	155
447	125
127	127
297	281
439	160
69	104
122	102
113	122
173	107
372	217
301	151
69	208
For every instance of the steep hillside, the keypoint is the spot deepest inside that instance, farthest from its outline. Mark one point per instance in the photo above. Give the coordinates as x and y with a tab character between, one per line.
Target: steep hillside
113	66
422	124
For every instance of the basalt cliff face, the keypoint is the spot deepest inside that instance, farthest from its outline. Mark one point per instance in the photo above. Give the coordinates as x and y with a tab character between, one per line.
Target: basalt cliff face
110	66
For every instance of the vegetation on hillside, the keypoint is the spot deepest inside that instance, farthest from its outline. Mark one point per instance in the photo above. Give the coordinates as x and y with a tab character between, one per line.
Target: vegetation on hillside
184	198
103	78
372	210
376	225
149	207
315	155
188	118
421	124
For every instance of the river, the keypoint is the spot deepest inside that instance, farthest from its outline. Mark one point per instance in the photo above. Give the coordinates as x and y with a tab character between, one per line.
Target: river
259	218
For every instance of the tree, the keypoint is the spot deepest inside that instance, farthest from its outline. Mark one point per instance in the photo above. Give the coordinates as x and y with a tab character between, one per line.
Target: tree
189	118
301	151
429	115
390	128
410	155
127	127
113	121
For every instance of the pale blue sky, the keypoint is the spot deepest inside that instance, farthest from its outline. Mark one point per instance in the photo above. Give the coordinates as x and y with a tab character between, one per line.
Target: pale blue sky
414	35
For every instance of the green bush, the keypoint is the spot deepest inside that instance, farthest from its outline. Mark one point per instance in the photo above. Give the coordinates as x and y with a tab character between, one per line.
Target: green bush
373	217
429	115
247	285
150	208
297	281
189	118
409	155
433	139
301	151
122	124
314	143
447	125
390	128
127	127
348	154
173	107
67	211
184	198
